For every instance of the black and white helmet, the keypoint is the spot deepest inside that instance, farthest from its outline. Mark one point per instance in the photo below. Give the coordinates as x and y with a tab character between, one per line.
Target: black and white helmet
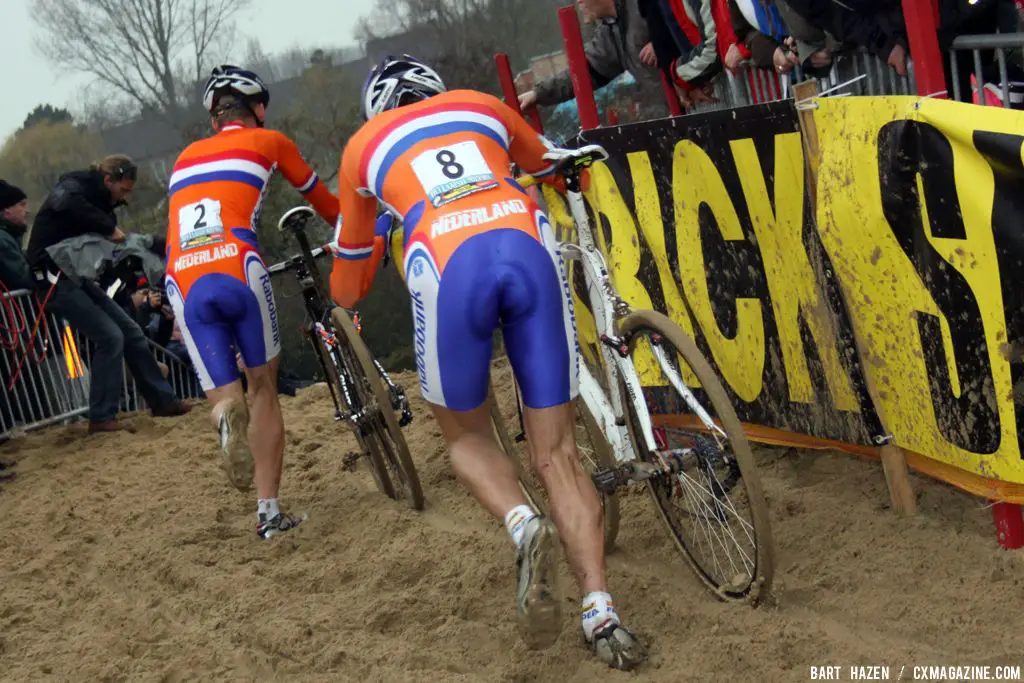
228	78
397	81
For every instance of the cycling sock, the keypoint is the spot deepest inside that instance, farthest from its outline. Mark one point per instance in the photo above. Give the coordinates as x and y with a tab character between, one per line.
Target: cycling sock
515	522
267	509
597	609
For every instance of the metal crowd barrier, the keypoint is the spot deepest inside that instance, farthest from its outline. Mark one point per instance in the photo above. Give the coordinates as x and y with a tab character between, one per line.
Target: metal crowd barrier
53	382
998	42
853	72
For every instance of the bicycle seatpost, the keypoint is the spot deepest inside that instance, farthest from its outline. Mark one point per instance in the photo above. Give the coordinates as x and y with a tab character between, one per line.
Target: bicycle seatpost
307	255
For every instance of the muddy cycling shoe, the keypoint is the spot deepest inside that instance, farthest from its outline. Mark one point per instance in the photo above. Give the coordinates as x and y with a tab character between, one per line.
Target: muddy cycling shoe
234	443
617	646
538	608
280	523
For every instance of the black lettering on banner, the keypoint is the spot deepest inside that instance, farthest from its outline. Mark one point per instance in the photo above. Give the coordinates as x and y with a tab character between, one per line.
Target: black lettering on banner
905	150
733	269
1003	154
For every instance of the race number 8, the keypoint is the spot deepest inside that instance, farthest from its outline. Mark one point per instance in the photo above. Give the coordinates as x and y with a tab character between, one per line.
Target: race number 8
449	166
441	168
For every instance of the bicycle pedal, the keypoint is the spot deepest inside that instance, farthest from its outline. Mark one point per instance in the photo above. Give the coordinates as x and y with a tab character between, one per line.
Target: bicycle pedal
642	471
348	461
606	481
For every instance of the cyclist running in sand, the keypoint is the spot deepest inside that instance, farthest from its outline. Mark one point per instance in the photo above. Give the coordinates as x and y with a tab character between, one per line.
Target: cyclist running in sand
217	282
479	255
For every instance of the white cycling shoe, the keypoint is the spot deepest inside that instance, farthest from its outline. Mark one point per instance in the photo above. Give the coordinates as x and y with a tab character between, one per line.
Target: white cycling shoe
538	607
233	428
617	646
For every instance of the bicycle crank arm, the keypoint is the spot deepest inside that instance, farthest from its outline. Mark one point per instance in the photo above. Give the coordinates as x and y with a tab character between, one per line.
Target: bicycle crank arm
608	480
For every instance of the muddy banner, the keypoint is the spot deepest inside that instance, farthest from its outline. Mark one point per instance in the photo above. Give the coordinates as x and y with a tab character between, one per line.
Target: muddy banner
891	313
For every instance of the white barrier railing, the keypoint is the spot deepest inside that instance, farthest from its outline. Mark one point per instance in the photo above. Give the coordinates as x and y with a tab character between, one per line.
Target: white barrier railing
51	369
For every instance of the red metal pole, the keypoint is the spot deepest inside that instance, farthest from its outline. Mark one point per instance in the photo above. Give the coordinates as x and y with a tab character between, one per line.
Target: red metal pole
671	96
920	17
508	89
1009	525
578	68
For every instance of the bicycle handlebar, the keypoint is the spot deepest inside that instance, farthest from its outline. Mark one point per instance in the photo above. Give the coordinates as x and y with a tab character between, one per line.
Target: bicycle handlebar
291	263
569	165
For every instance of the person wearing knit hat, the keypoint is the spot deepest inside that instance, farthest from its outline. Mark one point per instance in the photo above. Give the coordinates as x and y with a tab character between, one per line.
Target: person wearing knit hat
15	272
10	197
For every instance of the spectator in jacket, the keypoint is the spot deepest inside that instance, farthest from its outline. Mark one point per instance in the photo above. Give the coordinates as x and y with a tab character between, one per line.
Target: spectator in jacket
16	274
14	269
696	36
759	25
83	202
619	39
670	43
876	25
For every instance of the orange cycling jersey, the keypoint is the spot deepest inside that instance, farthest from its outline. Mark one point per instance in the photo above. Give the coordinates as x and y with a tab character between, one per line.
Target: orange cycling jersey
444	166
216	281
216	194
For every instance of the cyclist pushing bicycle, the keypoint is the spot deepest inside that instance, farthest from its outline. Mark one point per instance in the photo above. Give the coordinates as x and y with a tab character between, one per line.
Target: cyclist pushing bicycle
220	288
480	254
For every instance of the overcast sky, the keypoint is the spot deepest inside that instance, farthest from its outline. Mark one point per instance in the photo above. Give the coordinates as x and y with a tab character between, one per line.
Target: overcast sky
29	79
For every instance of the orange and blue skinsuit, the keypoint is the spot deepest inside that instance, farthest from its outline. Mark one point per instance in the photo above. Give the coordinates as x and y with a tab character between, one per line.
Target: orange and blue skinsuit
217	283
479	252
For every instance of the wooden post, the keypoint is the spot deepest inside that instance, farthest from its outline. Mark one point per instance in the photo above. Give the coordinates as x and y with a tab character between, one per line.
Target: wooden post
897	478
894	460
803	93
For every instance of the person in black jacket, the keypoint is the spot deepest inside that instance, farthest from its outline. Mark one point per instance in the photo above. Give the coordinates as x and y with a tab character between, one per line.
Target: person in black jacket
83	202
15	272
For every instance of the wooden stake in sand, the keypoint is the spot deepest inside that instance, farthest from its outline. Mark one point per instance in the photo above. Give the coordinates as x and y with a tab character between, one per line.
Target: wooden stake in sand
897	478
894	460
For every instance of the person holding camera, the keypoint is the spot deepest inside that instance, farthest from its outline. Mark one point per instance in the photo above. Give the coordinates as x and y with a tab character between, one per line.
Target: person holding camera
83	202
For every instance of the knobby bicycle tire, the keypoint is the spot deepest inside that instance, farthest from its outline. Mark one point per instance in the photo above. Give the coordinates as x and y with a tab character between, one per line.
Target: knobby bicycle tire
369	446
761	580
385	430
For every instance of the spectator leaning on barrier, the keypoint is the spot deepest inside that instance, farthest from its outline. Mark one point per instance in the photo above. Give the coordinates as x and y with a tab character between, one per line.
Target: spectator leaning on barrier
615	47
83	202
14	269
876	25
697	39
759	25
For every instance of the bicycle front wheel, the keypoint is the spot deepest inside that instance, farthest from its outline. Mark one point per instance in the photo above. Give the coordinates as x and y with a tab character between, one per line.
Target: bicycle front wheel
708	469
332	360
380	416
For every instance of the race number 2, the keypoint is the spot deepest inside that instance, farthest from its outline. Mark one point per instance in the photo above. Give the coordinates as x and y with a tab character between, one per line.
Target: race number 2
447	173
198	221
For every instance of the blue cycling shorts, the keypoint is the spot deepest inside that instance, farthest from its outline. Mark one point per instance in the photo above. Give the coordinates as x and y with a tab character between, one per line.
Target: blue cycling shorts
506	279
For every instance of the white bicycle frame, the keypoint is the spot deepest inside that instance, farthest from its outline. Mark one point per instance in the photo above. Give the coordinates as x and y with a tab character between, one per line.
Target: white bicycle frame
607	306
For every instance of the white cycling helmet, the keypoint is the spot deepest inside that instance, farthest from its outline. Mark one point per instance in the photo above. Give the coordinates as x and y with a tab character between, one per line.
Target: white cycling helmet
398	81
227	78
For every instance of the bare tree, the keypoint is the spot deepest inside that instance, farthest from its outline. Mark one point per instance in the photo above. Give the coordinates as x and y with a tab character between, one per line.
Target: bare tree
461	36
152	51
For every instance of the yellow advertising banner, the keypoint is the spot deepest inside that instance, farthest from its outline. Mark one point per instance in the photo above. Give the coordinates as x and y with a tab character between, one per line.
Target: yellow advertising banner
921	207
888	315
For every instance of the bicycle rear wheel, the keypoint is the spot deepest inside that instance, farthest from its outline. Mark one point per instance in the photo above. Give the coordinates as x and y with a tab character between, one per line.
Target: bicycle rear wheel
331	360
380	416
711	475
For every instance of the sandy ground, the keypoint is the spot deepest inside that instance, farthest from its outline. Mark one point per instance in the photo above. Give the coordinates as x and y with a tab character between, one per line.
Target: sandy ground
128	557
